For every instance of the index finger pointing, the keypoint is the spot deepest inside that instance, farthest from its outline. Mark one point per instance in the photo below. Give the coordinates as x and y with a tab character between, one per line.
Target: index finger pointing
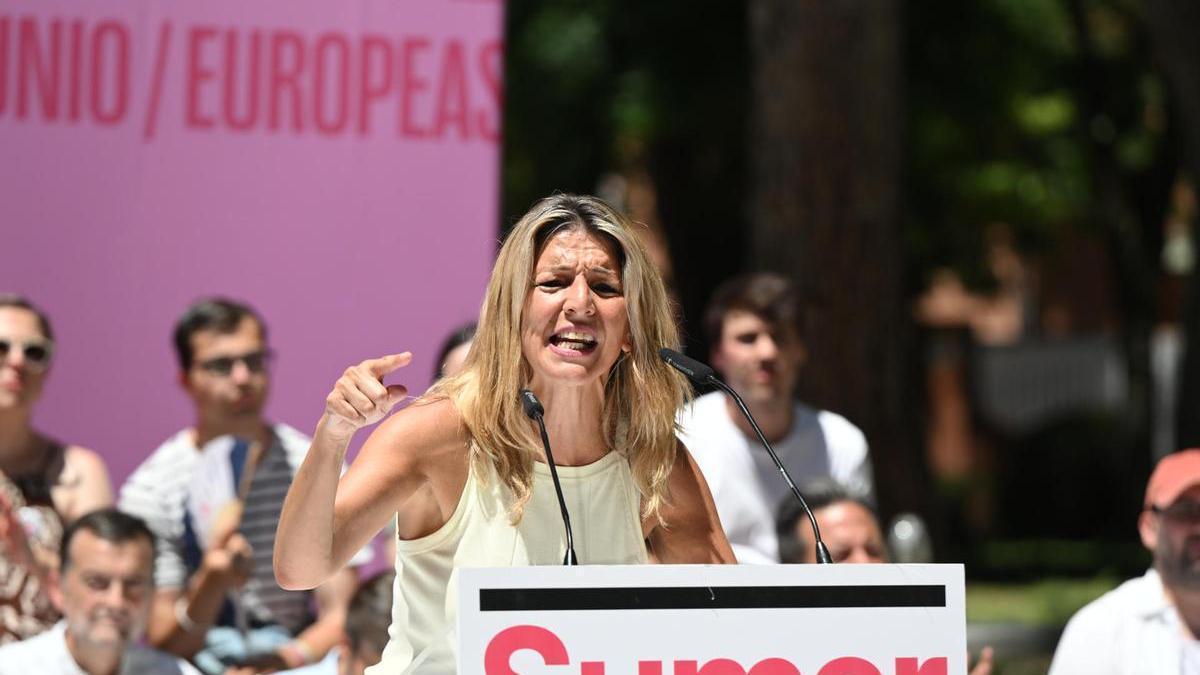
386	364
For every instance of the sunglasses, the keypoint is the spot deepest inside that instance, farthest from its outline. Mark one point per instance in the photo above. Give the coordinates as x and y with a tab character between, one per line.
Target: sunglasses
37	353
1180	512
255	362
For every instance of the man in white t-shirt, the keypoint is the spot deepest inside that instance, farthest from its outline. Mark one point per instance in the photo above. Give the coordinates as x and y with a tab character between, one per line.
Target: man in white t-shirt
224	361
105	591
1149	624
755	327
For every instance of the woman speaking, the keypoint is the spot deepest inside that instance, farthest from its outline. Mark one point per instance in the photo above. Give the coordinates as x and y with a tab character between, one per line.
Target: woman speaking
575	313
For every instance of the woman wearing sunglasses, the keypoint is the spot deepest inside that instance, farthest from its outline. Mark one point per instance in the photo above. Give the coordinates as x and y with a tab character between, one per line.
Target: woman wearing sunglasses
44	484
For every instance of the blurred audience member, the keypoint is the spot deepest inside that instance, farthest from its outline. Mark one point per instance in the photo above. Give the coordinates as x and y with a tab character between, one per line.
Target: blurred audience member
1149	624
848	525
44	484
224	358
453	353
366	632
849	528
105	594
755	326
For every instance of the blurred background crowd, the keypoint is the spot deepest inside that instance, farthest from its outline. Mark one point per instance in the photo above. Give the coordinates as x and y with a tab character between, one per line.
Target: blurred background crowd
990	210
984	214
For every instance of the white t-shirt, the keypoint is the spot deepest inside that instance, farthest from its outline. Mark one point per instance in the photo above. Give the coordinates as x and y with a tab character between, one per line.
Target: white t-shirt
745	483
47	654
1131	630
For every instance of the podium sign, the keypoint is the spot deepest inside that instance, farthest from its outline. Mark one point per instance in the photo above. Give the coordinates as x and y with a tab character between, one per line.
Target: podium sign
713	620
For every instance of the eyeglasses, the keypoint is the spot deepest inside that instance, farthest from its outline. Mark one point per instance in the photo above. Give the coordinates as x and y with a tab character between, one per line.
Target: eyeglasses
1180	512
37	353
255	362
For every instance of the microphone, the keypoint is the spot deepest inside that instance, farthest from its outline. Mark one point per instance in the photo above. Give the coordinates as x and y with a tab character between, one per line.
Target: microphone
534	410
533	407
694	370
702	374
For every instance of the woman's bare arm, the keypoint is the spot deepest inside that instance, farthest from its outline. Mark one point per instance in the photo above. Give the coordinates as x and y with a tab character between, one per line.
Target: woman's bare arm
693	532
87	477
326	520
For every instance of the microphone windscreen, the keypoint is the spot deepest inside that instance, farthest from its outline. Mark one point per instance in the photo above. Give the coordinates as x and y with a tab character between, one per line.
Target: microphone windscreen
531	405
696	372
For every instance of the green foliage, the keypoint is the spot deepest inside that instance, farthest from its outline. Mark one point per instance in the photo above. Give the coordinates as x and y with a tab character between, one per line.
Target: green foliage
623	86
556	85
1048	602
1046	114
589	85
1014	107
1018	111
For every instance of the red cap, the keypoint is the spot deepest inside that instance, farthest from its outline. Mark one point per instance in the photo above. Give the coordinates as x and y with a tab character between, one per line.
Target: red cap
1174	474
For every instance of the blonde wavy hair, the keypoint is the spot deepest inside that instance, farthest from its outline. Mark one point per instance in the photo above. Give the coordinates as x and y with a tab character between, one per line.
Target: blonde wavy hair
485	392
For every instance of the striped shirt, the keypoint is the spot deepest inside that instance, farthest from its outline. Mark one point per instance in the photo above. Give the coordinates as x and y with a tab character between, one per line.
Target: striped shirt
157	492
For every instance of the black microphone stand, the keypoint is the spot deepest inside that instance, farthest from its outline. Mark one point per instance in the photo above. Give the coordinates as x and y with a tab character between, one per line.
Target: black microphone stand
702	374
822	551
533	408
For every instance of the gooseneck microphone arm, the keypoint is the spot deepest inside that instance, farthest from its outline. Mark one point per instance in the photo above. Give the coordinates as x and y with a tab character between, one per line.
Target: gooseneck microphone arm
533	409
700	373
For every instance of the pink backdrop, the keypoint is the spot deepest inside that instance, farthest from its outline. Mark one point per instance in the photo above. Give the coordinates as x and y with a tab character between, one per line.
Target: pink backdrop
335	164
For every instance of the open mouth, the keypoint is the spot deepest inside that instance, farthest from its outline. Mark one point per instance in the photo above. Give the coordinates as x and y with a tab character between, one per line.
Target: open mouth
573	341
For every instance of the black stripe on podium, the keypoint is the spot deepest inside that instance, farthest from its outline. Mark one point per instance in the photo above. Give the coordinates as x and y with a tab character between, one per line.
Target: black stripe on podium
709	597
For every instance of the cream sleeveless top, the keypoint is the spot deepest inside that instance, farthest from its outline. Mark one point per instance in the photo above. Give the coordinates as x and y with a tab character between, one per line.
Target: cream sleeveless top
605	520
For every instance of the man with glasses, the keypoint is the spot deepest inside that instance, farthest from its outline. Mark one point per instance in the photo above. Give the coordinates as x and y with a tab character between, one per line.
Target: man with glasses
224	359
1149	624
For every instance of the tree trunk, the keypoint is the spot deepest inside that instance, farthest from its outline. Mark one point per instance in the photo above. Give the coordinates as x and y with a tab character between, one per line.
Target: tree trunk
825	180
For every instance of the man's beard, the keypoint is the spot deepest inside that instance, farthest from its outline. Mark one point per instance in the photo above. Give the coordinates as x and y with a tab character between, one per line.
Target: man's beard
1179	568
124	629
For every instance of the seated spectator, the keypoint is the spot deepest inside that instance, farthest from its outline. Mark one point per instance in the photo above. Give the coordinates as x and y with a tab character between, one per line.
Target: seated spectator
453	353
366	632
44	483
1149	624
217	600
849	528
755	327
105	593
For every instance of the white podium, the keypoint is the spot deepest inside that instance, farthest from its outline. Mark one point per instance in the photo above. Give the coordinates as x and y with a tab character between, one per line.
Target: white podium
713	620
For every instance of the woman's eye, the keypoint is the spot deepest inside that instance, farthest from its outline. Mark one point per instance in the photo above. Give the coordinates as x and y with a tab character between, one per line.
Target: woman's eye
550	283
606	289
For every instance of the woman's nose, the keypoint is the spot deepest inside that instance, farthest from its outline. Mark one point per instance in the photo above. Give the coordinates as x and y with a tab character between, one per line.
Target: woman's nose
579	297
